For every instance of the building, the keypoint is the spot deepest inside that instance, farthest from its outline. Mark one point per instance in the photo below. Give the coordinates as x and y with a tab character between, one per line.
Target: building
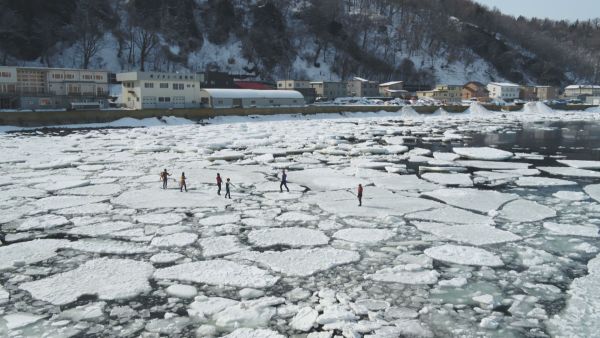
154	90
329	90
527	93
359	87
258	85
393	89
581	91
213	79
52	88
302	86
546	93
475	91
442	93
249	98
503	90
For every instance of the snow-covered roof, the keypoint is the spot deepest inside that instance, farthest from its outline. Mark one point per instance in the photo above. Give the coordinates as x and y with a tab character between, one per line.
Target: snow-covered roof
504	84
391	83
396	91
582	87
360	79
252	93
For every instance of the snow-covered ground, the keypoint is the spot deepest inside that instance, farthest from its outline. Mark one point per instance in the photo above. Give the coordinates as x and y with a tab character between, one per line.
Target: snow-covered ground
468	241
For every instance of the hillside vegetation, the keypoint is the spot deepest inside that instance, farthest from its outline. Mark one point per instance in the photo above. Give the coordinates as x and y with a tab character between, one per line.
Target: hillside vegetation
417	41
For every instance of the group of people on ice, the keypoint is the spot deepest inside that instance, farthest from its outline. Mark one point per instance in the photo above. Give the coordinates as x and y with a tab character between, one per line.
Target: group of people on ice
164	177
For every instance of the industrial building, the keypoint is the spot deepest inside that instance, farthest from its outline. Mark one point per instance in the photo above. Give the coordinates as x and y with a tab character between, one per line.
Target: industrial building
249	98
329	90
154	90
52	88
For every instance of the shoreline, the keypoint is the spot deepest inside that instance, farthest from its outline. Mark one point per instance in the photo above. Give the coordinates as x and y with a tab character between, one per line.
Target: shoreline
57	118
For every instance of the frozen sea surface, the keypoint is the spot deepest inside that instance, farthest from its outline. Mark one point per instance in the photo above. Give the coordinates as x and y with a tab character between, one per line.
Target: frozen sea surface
473	225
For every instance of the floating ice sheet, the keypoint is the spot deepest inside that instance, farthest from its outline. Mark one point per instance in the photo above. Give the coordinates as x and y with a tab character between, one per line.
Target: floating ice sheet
526	211
465	255
473	199
158	198
107	278
468	233
570	172
483	153
462	180
301	262
364	236
218	272
292	236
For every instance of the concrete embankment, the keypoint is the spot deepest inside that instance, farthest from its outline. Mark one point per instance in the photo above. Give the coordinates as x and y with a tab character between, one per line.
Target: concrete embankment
52	118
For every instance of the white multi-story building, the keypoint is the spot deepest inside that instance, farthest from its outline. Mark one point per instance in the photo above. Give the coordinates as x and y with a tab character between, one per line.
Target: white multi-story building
154	90
503	90
48	88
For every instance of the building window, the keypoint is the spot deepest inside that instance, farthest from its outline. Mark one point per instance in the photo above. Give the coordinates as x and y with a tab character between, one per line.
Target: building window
253	102
69	76
164	85
178	86
148	85
188	86
220	101
5	74
270	101
99	77
164	99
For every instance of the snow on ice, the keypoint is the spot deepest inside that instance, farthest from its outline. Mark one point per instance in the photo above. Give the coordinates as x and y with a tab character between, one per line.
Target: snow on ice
450	231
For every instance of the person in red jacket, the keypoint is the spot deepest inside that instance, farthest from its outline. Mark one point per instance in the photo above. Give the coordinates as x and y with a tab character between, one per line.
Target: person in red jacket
219	182
359	194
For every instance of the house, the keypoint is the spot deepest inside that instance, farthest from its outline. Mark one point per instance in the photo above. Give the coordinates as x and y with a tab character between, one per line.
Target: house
359	87
442	93
52	88
475	91
393	89
154	90
244	98
546	93
503	90
329	90
302	86
581	91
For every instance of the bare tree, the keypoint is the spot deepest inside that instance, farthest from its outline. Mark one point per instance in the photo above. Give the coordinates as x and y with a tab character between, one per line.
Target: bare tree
145	40
88	32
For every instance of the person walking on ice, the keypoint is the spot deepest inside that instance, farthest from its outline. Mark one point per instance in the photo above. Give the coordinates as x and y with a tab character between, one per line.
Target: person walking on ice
182	184
283	182
228	189
219	182
359	194
164	176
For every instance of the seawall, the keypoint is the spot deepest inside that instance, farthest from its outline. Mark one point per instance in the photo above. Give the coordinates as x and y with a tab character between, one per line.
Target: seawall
48	118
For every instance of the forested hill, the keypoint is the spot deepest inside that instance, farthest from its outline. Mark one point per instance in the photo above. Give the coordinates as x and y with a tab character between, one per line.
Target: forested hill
418	41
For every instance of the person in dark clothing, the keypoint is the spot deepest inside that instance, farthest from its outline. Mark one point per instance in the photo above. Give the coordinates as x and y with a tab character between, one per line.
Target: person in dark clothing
359	194
219	182
164	176
227	189
182	184
283	182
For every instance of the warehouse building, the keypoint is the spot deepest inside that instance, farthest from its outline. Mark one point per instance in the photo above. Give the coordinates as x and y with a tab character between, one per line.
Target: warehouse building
52	88
249	98
154	90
